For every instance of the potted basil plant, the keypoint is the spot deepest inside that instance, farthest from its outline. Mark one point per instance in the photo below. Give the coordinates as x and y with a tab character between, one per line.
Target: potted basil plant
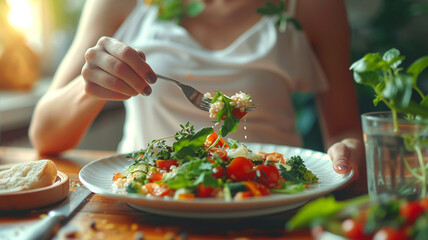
396	142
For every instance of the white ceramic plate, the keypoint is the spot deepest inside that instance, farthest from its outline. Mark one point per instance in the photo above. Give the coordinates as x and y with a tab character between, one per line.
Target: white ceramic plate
97	176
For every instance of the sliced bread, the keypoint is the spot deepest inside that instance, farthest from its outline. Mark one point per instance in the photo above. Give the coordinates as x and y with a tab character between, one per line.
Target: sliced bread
28	175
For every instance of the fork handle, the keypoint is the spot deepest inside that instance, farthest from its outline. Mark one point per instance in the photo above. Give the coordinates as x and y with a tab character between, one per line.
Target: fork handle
168	79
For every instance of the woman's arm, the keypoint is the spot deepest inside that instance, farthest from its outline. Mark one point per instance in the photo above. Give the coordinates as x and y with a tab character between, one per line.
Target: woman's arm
326	25
65	112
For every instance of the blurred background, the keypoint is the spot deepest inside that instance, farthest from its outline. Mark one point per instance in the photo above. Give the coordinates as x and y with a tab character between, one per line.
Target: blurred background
35	34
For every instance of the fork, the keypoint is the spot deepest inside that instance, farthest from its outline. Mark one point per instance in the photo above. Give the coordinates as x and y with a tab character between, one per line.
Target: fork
194	96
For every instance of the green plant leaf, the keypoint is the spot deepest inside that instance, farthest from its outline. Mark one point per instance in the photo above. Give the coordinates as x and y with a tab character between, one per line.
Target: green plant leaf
399	90
393	58
323	207
414	109
191	144
369	78
424	101
417	67
230	121
270	9
193	9
230	125
370	62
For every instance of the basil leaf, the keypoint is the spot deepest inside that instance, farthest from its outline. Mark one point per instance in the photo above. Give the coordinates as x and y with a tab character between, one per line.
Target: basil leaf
192	173
230	125
417	67
190	145
399	90
393	58
370	62
207	179
369	78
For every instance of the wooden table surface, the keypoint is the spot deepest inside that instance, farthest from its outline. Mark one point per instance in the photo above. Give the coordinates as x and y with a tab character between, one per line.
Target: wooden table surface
106	218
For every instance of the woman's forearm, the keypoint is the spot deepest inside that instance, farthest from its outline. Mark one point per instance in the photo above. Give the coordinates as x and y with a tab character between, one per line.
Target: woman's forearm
62	117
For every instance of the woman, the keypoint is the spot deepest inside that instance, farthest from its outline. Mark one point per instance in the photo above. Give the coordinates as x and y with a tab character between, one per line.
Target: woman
120	46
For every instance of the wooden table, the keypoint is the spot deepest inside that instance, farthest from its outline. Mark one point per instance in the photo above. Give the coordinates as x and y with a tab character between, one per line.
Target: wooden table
105	218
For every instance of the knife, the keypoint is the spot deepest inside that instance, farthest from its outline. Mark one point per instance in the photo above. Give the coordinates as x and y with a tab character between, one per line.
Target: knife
47	226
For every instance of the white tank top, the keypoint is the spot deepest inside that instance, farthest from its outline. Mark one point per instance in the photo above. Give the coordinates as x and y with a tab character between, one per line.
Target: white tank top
267	64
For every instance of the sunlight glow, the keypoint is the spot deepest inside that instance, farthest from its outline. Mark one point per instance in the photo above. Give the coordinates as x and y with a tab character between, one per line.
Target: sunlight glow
25	16
21	15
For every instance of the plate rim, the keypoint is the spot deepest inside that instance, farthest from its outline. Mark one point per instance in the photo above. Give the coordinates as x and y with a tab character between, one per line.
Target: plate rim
275	199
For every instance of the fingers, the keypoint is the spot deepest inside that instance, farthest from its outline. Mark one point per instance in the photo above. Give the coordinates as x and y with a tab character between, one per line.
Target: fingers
132	58
346	155
102	78
142	55
340	154
116	71
351	151
103	93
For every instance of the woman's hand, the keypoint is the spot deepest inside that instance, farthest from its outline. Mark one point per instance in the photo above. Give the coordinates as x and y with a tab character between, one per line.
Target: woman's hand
115	71
349	154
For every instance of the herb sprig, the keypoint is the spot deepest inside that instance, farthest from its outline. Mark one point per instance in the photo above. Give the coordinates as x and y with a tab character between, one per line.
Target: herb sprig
188	143
230	121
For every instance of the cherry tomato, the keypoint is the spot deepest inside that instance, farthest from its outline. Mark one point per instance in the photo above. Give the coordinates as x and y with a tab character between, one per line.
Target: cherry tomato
268	175
353	229
166	164
411	211
389	233
212	138
204	192
221	153
237	113
240	169
424	203
218	172
157	190
154	177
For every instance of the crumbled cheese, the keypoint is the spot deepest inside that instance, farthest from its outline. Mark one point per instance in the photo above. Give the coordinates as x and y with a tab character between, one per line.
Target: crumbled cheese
215	108
242	151
241	100
208	96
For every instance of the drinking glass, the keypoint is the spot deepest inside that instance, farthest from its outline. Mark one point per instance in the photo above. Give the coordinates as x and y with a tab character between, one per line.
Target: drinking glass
396	154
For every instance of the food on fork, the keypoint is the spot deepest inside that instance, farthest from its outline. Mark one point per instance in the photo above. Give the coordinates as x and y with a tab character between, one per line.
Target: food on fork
203	164
221	105
28	175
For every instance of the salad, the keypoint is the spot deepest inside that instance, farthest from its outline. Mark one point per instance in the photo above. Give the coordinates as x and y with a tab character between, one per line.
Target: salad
392	217
203	164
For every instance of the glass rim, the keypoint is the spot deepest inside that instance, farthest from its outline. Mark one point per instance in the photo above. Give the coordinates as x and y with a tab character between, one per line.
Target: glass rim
382	116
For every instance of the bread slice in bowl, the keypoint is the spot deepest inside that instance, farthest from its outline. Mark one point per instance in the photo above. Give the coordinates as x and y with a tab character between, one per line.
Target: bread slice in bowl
28	175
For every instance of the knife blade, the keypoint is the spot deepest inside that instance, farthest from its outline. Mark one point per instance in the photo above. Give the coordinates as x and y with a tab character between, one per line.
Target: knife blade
46	227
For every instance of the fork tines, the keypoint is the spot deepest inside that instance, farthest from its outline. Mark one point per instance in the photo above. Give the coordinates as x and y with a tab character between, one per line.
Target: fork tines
205	104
